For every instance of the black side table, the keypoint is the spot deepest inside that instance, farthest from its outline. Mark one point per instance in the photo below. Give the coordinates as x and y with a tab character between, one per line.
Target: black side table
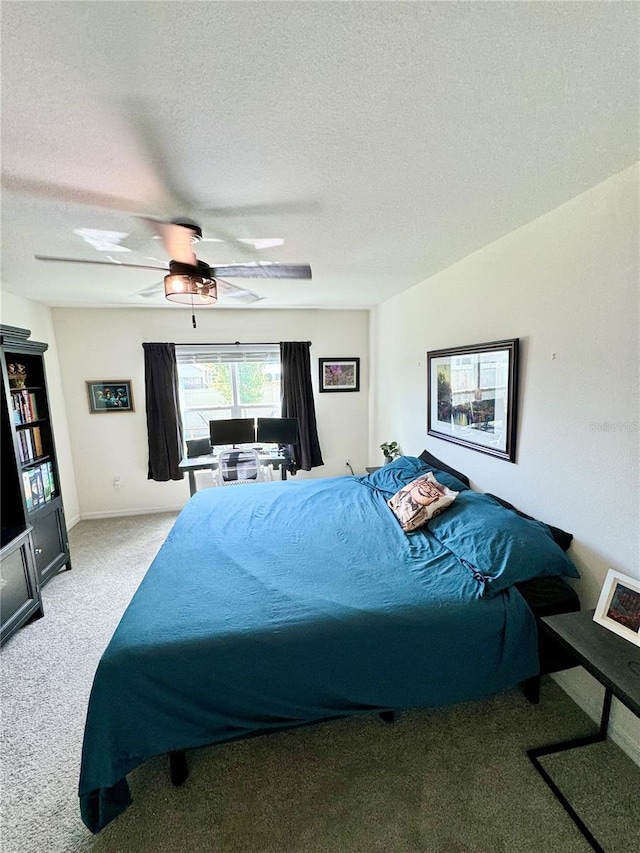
615	662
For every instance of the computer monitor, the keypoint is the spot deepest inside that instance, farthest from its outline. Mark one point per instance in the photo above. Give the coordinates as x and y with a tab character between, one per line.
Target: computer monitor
232	431
278	430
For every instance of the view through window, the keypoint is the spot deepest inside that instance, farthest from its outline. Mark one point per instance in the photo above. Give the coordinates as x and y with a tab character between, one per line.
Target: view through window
227	381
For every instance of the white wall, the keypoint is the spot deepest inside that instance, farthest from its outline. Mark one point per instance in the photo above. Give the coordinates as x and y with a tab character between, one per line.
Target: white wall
107	344
567	283
36	317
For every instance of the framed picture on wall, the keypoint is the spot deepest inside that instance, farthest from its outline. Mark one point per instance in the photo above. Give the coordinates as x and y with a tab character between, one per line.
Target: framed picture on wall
110	395
619	606
339	374
472	392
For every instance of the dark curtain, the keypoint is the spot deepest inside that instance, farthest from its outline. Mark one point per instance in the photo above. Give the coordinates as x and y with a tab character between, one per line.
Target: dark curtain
164	423
297	402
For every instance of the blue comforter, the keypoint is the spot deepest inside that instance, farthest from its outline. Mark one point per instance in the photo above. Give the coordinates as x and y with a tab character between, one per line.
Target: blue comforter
279	604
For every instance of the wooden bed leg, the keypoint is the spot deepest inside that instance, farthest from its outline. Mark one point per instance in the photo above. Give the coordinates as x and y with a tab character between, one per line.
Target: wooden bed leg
531	689
388	716
178	767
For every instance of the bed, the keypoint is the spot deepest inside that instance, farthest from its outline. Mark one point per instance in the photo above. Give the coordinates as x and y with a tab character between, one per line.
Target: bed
281	604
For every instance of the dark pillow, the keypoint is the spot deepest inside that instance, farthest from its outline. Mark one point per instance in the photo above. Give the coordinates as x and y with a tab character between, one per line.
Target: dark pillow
430	459
561	537
500	547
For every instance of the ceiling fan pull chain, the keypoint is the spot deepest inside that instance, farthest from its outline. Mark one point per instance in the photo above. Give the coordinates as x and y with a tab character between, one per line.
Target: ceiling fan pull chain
193	313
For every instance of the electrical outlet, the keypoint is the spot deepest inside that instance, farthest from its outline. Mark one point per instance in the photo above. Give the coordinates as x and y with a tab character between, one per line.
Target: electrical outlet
117	481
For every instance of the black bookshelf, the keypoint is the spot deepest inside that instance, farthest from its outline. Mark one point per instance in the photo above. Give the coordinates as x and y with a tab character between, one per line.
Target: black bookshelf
31	496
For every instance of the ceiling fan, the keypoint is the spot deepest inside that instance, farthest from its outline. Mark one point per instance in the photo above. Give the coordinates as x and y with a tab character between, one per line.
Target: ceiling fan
191	281
188	279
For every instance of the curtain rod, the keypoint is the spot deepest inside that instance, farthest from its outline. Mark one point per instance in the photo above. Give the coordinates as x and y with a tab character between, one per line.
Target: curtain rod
238	344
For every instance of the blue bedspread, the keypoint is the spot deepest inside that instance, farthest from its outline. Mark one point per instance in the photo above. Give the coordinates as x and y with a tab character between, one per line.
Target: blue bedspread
279	604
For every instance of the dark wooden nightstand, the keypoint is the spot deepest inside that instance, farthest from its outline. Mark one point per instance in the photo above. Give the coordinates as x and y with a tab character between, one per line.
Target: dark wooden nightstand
615	663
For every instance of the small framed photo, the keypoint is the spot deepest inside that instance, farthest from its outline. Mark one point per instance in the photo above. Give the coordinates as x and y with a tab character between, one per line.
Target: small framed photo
619	606
110	395
339	374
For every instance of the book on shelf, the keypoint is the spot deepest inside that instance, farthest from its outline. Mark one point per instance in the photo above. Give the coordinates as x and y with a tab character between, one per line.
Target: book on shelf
30	444
39	485
49	487
15	403
26	480
25	407
37	441
24	447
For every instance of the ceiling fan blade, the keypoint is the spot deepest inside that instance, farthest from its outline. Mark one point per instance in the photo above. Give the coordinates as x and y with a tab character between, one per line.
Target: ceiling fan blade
258	270
137	118
296	208
65	193
244	248
98	263
237	294
176	239
153	290
143	126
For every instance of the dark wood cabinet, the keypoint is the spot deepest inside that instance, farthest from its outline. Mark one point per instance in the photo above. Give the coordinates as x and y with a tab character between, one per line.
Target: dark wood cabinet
31	496
19	589
50	540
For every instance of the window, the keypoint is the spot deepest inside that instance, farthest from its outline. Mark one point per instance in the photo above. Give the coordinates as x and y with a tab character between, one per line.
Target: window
227	381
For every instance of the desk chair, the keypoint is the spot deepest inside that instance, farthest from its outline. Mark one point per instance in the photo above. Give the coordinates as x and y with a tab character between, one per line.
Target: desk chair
236	467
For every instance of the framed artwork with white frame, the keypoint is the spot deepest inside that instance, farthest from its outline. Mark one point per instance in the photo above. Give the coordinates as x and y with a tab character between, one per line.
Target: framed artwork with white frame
618	607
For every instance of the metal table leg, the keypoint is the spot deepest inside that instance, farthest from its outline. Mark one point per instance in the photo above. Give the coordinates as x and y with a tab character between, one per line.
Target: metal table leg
178	767
563	746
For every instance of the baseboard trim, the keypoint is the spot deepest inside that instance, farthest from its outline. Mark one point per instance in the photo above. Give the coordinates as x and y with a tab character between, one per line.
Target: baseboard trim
592	705
119	513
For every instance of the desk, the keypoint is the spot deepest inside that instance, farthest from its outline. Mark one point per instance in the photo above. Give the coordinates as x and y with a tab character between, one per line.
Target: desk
615	662
202	463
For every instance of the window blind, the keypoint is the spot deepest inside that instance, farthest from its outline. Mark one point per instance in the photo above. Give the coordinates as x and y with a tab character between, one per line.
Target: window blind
227	353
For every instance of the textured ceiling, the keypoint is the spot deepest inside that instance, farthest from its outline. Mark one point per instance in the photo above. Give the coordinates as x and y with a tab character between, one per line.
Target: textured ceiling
381	141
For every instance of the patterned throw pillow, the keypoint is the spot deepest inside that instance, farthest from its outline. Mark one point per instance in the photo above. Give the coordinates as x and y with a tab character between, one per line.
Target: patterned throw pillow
420	500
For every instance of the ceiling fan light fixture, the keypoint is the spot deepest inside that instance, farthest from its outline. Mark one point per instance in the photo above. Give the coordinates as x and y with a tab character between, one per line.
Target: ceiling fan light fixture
186	283
184	288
